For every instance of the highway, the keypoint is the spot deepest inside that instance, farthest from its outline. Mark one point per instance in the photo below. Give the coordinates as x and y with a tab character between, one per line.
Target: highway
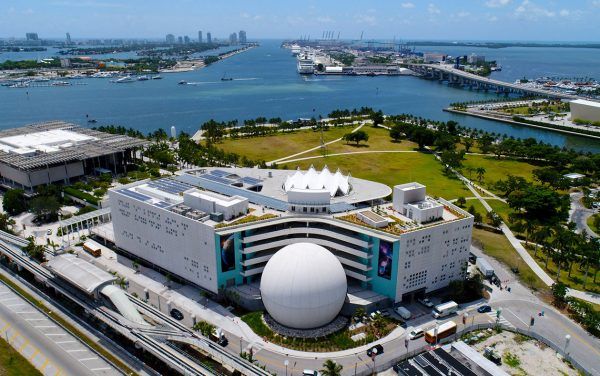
447	69
50	348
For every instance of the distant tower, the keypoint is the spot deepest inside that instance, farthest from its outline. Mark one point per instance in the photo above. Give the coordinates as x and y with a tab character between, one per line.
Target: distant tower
186	39
69	39
199	36
242	37
208	38
170	38
180	39
173	132
31	36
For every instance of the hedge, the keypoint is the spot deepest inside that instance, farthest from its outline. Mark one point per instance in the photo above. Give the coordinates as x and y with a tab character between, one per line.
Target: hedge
81	195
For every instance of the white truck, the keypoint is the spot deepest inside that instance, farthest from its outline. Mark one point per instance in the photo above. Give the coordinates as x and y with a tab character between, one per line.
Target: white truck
484	267
444	309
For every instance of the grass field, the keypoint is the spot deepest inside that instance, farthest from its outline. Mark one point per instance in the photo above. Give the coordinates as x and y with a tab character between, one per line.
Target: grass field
496	169
501	208
280	145
13	364
590	222
393	169
498	247
379	139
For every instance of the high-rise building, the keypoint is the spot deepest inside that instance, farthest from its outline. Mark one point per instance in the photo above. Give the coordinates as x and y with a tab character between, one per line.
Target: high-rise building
180	40
208	38
69	39
233	38
170	38
31	36
186	39
242	37
199	36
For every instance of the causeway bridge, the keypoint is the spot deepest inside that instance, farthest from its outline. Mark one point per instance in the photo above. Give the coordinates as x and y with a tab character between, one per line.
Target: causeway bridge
459	77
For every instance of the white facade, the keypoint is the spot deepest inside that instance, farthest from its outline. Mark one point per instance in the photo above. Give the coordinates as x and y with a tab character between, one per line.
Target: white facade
585	110
181	245
210	202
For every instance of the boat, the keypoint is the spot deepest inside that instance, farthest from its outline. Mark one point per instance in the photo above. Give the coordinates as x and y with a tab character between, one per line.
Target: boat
124	80
60	83
182	82
295	49
225	78
305	65
143	78
20	85
92	121
157	77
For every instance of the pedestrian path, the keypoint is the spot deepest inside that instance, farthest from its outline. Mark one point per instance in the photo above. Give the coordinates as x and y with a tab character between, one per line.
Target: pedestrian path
501	320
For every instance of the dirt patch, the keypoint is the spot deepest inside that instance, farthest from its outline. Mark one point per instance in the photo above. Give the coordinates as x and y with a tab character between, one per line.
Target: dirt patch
523	355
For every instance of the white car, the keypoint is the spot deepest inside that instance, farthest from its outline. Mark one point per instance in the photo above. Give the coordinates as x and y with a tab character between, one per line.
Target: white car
416	333
310	372
49	232
426	302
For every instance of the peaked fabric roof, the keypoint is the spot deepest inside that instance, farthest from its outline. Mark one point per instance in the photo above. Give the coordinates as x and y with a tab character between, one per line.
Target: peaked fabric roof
335	183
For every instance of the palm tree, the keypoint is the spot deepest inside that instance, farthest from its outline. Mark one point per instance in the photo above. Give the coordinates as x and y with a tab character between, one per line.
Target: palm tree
539	236
480	171
331	368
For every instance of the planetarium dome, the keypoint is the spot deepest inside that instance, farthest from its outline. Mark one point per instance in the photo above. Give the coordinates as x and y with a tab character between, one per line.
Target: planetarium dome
303	286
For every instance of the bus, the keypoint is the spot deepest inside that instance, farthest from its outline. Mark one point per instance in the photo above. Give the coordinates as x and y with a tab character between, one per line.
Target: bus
444	309
445	330
92	249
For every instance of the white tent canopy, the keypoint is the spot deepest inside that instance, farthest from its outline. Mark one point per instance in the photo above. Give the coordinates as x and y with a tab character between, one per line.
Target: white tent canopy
335	183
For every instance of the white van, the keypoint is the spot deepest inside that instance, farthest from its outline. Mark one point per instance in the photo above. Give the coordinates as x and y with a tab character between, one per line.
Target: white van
403	312
416	333
444	309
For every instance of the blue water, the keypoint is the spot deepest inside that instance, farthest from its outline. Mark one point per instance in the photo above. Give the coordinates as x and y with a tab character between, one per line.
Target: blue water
265	84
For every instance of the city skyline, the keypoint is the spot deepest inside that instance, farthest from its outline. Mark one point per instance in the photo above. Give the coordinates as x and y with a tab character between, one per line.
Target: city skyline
462	20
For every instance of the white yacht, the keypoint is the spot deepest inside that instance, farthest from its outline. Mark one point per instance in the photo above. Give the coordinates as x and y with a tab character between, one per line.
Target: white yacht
124	80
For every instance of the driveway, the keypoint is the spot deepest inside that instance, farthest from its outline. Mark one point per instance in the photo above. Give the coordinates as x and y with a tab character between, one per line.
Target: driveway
579	214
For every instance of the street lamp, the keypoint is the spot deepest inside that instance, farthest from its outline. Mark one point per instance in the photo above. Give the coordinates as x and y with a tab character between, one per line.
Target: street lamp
373	356
286	364
567	340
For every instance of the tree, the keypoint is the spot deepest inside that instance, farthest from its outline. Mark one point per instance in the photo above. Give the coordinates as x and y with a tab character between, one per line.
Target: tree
559	292
494	219
461	201
468	143
396	133
205	328
331	368
480	171
357	137
14	201
452	159
34	251
6	222
377	118
540	203
540	236
45	208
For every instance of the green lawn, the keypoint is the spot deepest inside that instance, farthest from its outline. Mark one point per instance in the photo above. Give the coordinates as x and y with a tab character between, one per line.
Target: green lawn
577	276
379	139
496	169
498	247
12	363
478	207
280	145
501	208
591	223
393	169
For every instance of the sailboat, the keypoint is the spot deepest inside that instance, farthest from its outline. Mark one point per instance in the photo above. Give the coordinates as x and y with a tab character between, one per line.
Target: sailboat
225	78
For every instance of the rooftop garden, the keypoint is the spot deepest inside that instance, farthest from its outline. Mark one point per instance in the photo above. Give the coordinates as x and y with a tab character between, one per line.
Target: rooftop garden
246	219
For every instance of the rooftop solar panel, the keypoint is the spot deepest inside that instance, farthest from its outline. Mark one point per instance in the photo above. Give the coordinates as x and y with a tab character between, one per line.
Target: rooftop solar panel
162	204
450	360
219	173
135	195
217	179
251	181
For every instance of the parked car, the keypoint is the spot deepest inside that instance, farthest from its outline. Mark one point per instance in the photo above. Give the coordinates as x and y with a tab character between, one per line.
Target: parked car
310	372
223	341
416	333
426	302
484	309
49	232
403	312
372	351
176	314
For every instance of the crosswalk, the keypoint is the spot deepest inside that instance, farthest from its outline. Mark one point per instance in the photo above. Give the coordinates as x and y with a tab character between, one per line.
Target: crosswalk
501	320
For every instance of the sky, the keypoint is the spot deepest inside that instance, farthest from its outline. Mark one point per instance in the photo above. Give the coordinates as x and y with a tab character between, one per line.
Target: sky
524	20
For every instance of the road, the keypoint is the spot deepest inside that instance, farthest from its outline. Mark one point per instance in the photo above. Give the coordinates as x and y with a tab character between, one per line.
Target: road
49	347
579	214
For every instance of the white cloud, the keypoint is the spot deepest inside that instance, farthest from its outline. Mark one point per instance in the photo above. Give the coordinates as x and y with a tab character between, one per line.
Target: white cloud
433	9
497	3
325	19
366	19
532	11
463	14
410	5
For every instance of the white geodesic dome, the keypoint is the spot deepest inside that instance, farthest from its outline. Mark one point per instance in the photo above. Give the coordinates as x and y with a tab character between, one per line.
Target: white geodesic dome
303	286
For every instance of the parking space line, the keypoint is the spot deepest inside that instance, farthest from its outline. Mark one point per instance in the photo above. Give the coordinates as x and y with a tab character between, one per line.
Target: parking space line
15	305
25	312
44	326
61	342
76	350
35	319
55	334
87	359
100	369
9	299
